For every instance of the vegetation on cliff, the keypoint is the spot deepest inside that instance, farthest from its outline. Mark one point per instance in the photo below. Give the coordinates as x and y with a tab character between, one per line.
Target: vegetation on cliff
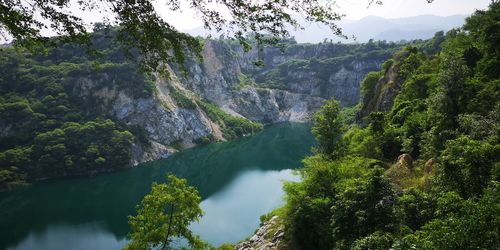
48	129
55	113
424	174
231	126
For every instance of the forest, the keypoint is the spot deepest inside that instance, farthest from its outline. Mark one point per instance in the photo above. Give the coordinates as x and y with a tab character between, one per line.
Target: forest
420	173
52	127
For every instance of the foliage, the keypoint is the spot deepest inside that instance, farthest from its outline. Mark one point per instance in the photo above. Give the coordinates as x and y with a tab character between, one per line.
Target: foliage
468	165
142	29
73	149
245	81
180	99
366	206
460	224
368	84
225	246
424	174
165	214
327	128
308	205
378	240
231	126
54	126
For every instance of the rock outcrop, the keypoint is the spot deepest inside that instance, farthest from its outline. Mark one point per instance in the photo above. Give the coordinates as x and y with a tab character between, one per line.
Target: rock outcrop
154	151
268	237
291	86
324	72
386	89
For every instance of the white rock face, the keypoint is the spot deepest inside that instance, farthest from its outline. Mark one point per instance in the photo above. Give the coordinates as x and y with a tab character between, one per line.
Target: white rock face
164	122
216	79
272	105
268	237
155	152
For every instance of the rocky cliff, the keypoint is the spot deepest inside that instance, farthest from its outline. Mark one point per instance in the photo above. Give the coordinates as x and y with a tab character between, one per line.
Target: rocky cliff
69	113
290	84
293	82
380	97
269	236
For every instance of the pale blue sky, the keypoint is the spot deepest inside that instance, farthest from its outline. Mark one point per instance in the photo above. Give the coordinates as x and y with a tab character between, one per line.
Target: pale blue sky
356	9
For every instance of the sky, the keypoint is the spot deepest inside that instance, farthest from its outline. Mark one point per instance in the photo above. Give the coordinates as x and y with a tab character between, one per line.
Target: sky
357	9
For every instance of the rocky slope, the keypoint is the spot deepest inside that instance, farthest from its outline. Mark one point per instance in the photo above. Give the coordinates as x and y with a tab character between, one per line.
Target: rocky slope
68	113
381	96
268	237
291	85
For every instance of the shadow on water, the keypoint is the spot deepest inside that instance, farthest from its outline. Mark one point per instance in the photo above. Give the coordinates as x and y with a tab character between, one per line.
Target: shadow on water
108	199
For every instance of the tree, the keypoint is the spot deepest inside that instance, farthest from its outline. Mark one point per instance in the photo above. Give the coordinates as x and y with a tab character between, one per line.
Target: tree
327	129
166	213
461	224
363	208
468	165
141	27
308	205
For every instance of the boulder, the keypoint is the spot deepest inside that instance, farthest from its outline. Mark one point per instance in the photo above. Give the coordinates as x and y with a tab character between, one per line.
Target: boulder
405	160
268	236
429	165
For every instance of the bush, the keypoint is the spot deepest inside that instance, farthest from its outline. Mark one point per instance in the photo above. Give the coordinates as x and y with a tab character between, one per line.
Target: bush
231	126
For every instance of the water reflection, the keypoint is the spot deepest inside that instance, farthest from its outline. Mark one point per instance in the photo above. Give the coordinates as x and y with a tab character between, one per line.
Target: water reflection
252	194
81	237
102	203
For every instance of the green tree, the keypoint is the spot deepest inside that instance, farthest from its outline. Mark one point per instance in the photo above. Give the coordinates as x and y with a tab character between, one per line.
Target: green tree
416	208
468	165
141	26
309	203
364	207
368	84
328	128
461	224
164	214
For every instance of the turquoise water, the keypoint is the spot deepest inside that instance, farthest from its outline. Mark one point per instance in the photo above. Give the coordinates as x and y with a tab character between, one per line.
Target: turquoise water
238	181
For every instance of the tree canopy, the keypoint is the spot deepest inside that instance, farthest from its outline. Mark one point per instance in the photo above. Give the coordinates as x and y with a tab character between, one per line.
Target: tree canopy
165	214
142	28
421	173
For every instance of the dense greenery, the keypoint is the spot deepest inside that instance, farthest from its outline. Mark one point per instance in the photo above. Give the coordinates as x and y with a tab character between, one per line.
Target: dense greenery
231	126
54	110
164	215
425	174
312	61
328	130
52	125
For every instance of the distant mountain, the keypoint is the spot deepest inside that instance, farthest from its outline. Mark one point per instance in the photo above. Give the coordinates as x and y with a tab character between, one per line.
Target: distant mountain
372	27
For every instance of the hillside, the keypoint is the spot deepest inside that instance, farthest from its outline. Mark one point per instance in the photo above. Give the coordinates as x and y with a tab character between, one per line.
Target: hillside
416	165
71	113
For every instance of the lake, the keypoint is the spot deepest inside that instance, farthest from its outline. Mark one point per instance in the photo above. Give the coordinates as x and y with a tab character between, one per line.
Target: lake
238	181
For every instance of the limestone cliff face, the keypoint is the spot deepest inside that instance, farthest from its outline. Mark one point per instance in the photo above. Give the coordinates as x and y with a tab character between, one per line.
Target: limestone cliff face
158	114
293	84
386	89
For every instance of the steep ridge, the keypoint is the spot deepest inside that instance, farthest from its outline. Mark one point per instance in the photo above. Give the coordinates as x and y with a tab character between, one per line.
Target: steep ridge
67	113
292	84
